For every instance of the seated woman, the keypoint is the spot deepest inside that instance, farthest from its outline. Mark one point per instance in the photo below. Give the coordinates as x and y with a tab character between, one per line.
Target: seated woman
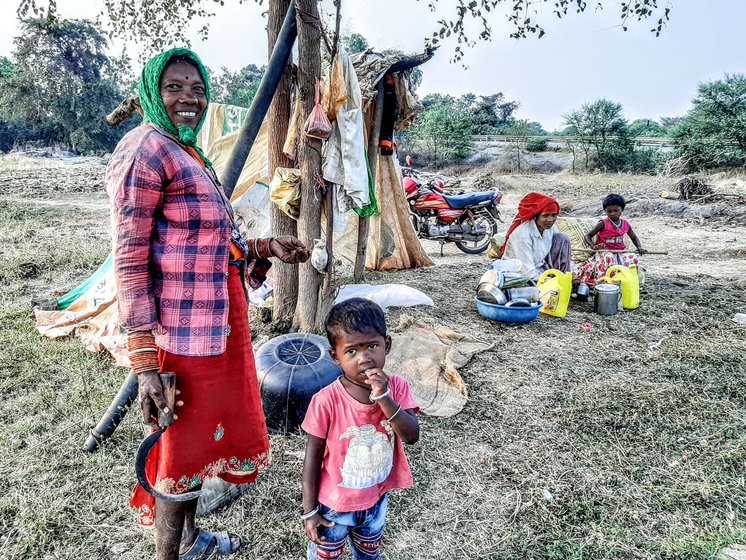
533	238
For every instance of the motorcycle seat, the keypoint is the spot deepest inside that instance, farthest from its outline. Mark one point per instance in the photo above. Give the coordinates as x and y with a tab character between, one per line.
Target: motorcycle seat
468	199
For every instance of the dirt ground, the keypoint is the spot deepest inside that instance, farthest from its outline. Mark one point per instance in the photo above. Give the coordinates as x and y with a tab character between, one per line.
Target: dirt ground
624	442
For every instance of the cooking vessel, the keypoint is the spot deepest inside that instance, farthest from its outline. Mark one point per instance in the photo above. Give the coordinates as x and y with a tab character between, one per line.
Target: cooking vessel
491	294
514	280
519	302
581	294
607	299
529	292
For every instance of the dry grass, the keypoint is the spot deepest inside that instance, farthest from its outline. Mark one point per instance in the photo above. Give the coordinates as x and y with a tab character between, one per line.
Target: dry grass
625	442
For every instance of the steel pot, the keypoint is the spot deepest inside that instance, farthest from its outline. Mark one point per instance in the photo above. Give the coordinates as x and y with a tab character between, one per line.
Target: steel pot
490	293
607	299
529	292
519	302
581	294
514	280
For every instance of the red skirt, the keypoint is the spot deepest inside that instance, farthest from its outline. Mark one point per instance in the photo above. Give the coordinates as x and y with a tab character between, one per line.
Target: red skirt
221	430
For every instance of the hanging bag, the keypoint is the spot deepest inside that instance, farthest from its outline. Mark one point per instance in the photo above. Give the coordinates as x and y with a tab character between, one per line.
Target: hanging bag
317	124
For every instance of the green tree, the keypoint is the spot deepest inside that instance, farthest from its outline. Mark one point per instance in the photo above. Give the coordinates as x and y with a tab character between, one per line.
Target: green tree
522	128
159	23
63	85
669	123
442	133
354	43
526	16
713	133
646	128
600	129
237	88
494	114
7	68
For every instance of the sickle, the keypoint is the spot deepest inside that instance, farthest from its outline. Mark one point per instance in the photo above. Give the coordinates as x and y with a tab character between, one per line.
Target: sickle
142	477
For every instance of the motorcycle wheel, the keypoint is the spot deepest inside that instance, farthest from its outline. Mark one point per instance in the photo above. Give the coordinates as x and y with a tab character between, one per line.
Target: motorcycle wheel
481	218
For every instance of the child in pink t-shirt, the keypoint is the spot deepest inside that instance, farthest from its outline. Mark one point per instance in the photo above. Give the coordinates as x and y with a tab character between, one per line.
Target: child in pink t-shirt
356	427
607	236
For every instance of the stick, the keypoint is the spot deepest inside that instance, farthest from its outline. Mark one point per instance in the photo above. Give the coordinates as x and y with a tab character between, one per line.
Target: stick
617	251
329	274
125	110
373	151
338	22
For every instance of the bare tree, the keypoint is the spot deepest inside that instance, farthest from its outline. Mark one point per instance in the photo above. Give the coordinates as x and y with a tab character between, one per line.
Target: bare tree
285	275
309	154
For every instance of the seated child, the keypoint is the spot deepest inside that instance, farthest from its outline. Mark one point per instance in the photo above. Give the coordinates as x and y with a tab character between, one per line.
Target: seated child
609	234
356	427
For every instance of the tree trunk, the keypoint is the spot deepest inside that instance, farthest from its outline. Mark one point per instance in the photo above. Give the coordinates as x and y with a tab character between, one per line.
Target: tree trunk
285	275
309	153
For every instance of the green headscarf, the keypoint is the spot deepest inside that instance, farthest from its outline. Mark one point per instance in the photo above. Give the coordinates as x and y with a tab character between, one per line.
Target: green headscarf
154	111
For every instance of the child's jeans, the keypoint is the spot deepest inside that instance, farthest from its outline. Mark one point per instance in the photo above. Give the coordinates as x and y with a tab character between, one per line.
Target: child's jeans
365	529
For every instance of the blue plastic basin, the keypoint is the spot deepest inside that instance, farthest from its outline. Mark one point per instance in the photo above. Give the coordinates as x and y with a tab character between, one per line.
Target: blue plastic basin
505	314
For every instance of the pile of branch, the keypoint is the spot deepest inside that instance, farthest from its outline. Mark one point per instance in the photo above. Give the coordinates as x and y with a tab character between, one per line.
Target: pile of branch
692	188
697	190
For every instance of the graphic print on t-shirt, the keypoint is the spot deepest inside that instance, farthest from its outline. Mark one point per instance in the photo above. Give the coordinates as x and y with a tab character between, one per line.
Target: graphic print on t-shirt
369	458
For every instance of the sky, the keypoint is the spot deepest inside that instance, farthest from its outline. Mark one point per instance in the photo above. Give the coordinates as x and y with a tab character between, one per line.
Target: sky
582	57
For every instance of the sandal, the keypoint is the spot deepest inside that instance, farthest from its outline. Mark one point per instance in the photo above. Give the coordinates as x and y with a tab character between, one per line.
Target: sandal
207	543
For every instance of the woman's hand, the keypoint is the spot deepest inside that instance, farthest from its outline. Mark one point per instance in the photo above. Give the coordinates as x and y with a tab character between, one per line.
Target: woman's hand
641	250
289	249
312	527
378	381
152	400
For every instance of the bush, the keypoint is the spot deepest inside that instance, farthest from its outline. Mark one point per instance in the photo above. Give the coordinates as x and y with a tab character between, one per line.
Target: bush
537	145
15	135
641	160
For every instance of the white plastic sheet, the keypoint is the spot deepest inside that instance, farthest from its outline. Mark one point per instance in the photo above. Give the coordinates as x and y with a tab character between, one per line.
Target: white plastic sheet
385	295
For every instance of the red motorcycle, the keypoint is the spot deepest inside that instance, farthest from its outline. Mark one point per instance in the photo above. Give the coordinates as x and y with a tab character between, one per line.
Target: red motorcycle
469	220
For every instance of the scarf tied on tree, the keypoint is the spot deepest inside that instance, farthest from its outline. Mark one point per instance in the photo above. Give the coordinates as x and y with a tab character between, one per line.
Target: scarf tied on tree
529	207
154	111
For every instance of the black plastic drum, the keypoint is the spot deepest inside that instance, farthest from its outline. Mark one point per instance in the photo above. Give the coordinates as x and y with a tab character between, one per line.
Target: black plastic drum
291	369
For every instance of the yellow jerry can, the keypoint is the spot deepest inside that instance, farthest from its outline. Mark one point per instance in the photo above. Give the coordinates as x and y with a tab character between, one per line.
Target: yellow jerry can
554	289
630	283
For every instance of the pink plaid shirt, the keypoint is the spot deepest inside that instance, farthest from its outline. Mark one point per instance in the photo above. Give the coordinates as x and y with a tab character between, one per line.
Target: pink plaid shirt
172	226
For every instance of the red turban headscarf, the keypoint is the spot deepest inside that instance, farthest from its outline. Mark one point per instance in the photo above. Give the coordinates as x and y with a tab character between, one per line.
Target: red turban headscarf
529	207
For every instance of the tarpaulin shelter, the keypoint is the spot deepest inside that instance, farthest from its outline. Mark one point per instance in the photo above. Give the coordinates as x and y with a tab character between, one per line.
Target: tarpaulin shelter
371	88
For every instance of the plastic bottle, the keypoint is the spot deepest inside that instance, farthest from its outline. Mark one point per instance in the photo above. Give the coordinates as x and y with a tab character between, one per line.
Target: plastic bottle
490	276
555	288
630	283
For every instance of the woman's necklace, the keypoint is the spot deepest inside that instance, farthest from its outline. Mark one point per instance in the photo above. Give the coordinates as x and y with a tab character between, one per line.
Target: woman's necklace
617	226
358	384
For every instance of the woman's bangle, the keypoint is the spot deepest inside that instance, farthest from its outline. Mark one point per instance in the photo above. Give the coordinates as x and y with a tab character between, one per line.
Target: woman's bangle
260	248
310	514
394	415
379	397
143	352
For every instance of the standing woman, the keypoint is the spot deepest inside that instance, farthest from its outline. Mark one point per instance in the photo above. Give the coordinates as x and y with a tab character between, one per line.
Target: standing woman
181	268
533	238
